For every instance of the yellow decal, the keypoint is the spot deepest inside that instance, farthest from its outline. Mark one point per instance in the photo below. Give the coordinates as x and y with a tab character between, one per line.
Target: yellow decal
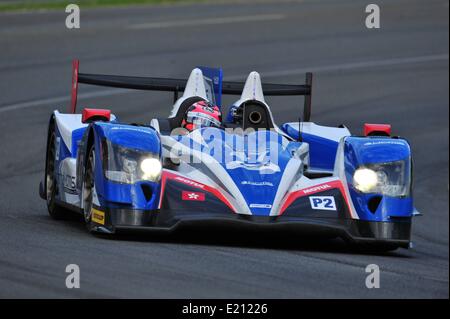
98	216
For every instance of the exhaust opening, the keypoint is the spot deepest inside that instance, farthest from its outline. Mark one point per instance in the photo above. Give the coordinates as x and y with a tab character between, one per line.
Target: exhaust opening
255	117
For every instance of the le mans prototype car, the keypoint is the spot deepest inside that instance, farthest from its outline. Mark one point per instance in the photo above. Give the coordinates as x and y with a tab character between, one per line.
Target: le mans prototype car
249	173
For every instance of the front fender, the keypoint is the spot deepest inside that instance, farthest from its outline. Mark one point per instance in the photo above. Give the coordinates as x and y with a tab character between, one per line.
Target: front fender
141	195
366	151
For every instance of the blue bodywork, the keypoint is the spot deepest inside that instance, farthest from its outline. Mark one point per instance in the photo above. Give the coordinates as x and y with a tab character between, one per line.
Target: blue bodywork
360	151
322	151
120	195
258	189
363	151
113	194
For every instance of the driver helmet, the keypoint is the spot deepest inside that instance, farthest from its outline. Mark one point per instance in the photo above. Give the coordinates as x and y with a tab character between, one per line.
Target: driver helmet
202	114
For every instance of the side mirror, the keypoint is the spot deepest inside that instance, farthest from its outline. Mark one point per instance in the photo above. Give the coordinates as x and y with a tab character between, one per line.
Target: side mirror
92	115
377	129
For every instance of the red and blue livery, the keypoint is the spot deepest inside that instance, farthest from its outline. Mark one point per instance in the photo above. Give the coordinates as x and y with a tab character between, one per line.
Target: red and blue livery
250	173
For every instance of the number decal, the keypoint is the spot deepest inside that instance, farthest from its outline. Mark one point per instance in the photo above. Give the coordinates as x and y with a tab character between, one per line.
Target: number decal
322	202
328	203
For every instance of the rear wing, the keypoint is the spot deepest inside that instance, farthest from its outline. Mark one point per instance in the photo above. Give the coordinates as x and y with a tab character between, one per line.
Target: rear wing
178	85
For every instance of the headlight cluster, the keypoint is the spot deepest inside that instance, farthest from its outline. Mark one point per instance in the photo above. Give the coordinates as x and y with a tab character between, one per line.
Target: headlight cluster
391	179
125	165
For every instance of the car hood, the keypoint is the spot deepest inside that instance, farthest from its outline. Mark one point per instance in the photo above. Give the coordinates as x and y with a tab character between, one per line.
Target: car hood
256	168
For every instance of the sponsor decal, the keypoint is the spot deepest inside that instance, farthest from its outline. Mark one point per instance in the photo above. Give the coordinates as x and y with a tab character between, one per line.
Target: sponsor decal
134	129
336	184
322	202
383	143
189	182
69	182
194	196
171	176
269	168
257	183
316	189
98	216
260	206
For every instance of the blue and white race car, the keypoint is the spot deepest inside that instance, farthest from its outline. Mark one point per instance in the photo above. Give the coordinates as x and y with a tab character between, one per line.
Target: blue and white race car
250	172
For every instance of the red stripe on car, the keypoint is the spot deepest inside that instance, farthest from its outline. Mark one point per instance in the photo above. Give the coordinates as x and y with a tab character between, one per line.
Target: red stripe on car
291	197
190	182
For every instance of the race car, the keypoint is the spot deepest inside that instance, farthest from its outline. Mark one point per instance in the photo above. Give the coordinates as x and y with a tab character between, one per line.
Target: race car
244	171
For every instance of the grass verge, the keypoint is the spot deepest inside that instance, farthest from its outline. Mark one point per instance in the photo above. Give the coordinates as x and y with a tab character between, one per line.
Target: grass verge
58	5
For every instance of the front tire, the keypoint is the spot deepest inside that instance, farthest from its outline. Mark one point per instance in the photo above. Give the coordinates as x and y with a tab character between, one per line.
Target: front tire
89	188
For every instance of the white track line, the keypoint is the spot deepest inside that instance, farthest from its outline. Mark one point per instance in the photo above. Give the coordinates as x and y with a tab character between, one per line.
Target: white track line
360	65
209	21
317	69
62	99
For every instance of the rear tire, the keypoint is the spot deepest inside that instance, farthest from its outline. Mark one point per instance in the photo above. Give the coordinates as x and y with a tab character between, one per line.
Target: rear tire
51	188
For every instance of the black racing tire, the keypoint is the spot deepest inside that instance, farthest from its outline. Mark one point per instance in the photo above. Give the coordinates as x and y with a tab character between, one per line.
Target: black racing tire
88	187
51	188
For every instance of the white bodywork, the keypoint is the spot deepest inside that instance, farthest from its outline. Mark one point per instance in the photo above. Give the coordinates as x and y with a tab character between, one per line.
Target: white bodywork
195	86
327	132
253	92
67	124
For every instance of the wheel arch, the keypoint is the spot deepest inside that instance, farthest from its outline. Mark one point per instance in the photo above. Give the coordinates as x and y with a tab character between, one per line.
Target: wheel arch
50	127
85	144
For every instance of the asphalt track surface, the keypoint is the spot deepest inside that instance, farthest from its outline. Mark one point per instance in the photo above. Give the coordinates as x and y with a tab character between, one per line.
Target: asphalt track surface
397	74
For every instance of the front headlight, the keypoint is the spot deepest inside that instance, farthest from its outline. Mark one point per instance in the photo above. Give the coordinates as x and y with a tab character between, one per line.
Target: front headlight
391	179
151	167
365	179
125	165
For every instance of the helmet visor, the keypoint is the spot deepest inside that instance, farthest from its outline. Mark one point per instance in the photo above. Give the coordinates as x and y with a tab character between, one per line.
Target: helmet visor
202	120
